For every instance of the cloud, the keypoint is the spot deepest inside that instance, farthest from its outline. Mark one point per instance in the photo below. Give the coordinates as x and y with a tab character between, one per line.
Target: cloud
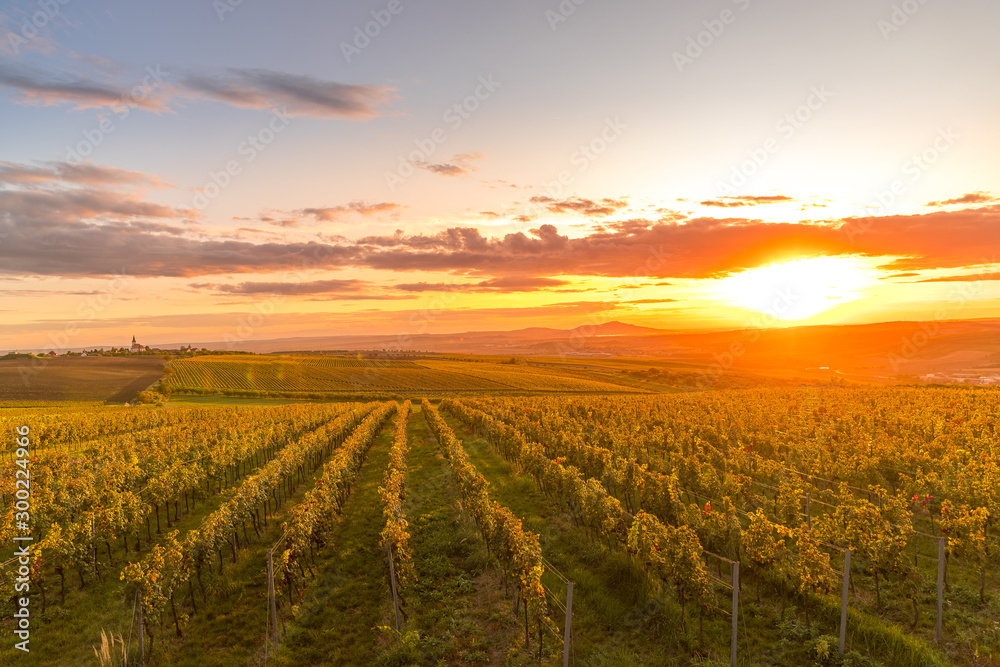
971	198
294	94
936	240
328	213
698	248
458	165
582	206
49	87
967	278
899	275
350	289
297	94
334	213
62	173
501	285
94	223
746	200
640	301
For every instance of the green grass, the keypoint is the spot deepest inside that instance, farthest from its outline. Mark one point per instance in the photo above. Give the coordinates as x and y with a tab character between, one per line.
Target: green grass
335	622
66	633
621	618
456	611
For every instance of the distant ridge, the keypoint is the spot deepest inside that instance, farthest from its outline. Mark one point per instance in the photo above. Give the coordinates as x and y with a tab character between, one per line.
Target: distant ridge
879	350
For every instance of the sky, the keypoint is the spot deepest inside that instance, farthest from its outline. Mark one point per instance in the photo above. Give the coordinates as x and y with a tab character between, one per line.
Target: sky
218	170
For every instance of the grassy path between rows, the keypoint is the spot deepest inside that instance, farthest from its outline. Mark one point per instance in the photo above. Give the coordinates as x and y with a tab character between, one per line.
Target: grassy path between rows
335	621
456	611
617	618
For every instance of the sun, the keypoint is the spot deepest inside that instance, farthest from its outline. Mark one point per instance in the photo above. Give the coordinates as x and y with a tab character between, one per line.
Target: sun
798	289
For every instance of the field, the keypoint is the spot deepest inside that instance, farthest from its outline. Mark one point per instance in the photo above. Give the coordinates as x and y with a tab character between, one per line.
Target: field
114	379
319	376
489	504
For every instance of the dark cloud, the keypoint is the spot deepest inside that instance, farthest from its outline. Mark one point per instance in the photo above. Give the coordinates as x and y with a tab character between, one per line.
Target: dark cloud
47	87
292	94
295	94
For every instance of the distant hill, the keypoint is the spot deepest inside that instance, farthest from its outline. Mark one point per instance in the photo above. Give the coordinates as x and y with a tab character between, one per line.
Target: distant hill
882	351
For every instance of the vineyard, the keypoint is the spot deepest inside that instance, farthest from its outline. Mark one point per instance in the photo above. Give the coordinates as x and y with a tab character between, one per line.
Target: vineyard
57	379
753	527
326	377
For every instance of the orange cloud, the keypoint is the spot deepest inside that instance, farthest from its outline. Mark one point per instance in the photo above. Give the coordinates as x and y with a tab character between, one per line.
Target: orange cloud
971	198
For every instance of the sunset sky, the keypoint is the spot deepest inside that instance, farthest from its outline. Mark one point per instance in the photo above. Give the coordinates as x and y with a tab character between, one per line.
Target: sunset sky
194	171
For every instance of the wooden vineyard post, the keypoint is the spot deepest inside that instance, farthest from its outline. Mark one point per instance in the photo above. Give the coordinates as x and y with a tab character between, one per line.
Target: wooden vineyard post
270	593
843	600
142	629
736	601
569	623
942	542
392	582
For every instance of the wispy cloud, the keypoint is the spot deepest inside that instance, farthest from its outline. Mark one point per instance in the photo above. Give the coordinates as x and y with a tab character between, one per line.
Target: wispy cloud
299	95
971	198
650	301
966	278
295	94
603	207
349	289
746	200
340	213
31	85
501	285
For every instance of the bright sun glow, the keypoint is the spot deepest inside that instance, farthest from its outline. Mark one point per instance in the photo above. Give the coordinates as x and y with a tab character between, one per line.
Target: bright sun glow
799	289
